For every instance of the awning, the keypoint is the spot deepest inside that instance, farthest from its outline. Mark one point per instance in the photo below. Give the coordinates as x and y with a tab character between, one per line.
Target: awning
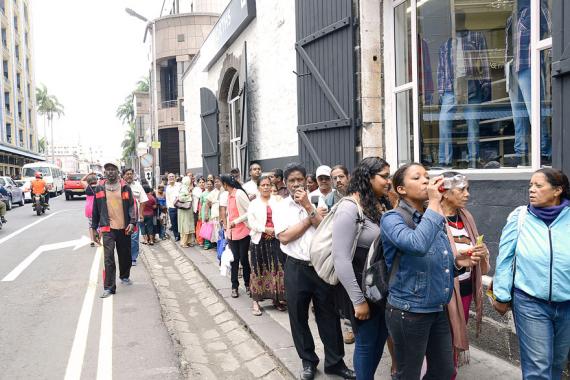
20	152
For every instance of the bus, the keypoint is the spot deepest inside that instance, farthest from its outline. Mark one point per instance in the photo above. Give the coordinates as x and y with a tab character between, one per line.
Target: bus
52	174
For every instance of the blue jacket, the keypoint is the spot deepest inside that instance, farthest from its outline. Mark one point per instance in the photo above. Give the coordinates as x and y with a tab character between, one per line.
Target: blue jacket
542	258
3	191
423	282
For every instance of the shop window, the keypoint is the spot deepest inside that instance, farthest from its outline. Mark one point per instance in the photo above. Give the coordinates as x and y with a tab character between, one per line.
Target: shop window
464	76
168	84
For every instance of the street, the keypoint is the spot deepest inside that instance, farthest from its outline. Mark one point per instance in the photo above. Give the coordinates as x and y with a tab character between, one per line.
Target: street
53	325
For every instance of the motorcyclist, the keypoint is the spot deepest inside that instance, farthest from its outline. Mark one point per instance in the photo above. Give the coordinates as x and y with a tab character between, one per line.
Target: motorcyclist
39	187
4	192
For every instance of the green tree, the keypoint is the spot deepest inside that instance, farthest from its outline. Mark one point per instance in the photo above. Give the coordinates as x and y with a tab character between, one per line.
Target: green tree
42	145
126	113
129	145
48	106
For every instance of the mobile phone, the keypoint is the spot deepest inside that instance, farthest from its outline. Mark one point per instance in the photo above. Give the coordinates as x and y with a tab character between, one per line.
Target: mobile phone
441	189
315	200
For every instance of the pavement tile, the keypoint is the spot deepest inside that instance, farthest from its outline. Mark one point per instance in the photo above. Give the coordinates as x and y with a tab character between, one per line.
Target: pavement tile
210	334
216	308
226	316
195	354
238	336
229	326
249	349
216	346
274	375
261	365
227	361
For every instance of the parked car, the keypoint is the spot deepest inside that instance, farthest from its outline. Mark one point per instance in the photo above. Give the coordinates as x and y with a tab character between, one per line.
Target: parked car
15	194
72	185
25	185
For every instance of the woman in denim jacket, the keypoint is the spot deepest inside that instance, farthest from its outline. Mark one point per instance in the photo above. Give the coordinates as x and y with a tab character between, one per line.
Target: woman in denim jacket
422	282
536	242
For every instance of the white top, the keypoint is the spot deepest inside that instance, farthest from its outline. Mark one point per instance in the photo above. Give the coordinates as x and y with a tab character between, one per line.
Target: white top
257	217
214	199
171	193
322	203
138	193
460	246
250	188
196	192
286	214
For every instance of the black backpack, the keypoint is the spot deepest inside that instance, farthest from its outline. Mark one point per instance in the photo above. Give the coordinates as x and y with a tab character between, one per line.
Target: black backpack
375	277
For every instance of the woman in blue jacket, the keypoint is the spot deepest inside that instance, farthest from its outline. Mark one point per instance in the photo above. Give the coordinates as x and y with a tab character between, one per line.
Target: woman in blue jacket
536	242
417	249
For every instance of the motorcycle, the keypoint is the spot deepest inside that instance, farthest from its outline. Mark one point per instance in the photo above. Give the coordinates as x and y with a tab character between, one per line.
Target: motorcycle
39	205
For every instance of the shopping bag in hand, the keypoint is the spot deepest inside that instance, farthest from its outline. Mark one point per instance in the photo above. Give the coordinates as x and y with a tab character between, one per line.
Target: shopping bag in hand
222	242
227	258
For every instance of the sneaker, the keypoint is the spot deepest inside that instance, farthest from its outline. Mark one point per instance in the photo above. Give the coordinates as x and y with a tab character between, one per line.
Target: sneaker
348	337
134	263
126	281
3	220
106	293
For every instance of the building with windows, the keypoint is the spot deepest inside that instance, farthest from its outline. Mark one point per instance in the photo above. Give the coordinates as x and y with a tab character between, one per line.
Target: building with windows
18	126
473	86
175	40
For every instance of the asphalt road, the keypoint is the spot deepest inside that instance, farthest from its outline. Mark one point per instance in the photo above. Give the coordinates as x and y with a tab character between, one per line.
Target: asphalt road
53	325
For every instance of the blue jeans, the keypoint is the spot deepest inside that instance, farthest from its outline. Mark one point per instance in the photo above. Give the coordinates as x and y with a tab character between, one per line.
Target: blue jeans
370	337
543	330
520	97
447	116
135	243
173	213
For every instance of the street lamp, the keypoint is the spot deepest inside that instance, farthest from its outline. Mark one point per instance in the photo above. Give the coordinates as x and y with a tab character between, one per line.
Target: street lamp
154	125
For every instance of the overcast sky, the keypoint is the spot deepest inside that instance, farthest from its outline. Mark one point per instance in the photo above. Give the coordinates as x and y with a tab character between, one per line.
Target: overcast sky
90	54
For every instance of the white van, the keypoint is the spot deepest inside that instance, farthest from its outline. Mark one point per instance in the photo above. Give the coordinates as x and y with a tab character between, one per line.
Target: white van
53	176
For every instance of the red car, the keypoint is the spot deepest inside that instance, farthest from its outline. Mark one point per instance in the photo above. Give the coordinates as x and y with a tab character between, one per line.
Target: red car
72	185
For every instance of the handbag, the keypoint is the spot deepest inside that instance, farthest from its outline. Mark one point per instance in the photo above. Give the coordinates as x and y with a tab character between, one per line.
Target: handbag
183	205
206	230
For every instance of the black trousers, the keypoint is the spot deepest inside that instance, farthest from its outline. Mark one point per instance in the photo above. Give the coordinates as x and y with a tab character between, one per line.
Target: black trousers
116	238
240	250
173	213
302	284
417	335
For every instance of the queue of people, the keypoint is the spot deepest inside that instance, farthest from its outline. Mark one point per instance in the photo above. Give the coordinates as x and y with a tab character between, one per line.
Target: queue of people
434	255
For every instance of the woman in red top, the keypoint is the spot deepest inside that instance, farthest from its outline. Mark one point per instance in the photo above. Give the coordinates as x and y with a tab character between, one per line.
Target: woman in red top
148	212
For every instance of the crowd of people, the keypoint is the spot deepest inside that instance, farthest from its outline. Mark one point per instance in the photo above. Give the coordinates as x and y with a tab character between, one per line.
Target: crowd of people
434	256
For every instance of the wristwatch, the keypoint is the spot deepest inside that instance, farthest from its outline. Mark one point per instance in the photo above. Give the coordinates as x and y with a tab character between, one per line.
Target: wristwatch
312	214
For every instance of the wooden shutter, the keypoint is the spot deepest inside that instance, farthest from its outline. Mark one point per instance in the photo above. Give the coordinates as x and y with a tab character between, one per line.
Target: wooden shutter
210	135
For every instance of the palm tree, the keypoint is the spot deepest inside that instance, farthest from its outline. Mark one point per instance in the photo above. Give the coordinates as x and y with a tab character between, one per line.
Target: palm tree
42	145
129	144
48	106
126	112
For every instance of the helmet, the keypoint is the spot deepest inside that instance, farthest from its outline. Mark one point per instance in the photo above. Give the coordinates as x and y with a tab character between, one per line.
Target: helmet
38	175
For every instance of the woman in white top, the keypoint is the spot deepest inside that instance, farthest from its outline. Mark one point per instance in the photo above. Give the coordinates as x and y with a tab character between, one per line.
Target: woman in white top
267	277
213	208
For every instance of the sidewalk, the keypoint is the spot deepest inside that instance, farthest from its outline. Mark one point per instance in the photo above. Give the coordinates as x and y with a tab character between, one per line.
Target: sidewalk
272	329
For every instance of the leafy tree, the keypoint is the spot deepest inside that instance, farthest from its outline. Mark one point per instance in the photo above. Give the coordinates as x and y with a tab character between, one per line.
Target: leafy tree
42	144
126	113
129	144
48	106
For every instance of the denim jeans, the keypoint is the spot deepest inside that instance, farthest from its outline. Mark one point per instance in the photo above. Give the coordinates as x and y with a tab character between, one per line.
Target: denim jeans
520	97
447	116
135	242
543	330
371	336
417	335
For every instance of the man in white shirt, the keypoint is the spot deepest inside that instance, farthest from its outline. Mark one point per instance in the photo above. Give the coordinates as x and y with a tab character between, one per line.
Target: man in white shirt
171	194
295	221
140	198
250	186
323	175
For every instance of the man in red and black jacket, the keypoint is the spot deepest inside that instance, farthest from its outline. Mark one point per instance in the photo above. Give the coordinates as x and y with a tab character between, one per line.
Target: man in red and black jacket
114	215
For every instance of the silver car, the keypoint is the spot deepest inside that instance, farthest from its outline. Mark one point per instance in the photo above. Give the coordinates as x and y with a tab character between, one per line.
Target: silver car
15	194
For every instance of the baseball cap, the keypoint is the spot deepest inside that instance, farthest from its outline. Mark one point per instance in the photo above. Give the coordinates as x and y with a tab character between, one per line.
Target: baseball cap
111	164
323	170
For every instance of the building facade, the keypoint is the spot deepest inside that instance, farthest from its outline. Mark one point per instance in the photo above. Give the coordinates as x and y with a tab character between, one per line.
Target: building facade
471	86
18	125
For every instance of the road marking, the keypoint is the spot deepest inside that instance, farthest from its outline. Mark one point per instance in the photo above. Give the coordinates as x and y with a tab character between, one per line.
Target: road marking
16	233
105	359
75	362
78	243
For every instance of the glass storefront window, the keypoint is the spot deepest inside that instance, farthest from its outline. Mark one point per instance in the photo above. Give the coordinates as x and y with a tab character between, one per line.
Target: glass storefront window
404	117
403	39
474	82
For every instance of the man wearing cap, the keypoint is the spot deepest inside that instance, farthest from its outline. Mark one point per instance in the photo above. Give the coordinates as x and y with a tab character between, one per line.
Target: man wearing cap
323	175
114	215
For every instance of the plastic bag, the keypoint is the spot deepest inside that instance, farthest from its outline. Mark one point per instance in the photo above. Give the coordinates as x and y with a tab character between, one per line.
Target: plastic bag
226	260
222	242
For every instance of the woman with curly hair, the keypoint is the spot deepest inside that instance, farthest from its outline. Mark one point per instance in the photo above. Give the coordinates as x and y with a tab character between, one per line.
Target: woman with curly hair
368	189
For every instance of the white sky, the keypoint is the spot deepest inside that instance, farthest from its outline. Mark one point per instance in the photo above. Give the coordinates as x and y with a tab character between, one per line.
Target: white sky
90	54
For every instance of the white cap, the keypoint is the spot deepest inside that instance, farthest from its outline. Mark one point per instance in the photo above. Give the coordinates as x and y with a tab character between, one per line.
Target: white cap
323	170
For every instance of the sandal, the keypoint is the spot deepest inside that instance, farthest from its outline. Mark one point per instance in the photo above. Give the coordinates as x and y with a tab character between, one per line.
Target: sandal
235	293
256	312
280	306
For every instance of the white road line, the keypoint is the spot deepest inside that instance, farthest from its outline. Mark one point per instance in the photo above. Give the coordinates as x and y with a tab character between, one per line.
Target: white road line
16	233
75	362
105	360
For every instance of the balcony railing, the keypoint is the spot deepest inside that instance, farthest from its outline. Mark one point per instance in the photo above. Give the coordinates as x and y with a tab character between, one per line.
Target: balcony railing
169	104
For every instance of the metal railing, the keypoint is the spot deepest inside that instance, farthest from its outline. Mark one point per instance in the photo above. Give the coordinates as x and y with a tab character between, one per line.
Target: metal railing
169	104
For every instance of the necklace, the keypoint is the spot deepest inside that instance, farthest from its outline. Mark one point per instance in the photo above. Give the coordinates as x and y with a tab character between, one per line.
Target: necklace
454	221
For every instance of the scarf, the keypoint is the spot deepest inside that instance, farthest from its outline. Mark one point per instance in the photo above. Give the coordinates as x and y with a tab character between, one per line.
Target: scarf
455	306
549	214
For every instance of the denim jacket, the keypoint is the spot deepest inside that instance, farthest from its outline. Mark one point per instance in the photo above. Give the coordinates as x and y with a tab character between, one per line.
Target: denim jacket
423	282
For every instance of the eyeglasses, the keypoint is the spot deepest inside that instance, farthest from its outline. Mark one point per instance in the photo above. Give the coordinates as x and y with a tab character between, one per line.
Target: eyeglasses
385	176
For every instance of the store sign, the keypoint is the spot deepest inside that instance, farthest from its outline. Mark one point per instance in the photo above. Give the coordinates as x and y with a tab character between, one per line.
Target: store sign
155	145
235	18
